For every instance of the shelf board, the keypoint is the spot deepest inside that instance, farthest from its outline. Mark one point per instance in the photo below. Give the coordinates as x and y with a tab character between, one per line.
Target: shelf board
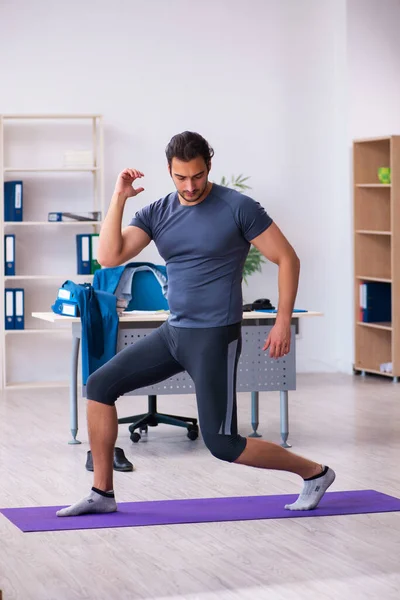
36	384
37	331
386	138
51	170
26	277
375	371
55	116
387	326
52	223
366	278
374	185
372	232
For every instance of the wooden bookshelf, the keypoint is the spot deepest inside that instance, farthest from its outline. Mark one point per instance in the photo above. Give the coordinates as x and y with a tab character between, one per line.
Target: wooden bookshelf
376	210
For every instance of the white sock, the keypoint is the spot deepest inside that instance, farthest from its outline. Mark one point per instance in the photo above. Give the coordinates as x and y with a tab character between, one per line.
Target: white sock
313	490
96	502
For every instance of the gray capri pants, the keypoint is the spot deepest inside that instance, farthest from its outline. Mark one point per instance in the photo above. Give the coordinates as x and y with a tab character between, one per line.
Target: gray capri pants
209	355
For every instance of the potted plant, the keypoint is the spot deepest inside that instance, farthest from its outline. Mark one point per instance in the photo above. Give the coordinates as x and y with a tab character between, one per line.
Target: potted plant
254	258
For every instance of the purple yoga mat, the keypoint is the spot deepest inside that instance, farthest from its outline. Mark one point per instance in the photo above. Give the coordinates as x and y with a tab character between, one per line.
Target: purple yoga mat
202	510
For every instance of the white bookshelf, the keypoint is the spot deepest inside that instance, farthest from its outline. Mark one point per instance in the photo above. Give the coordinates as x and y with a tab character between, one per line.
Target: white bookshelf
38	384
57	277
38	331
19	160
45	224
56	170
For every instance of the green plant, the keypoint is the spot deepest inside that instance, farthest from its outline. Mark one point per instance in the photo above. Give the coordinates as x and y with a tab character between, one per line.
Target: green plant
237	183
254	258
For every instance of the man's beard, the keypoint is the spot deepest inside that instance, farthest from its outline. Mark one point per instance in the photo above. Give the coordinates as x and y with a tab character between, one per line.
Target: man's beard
196	196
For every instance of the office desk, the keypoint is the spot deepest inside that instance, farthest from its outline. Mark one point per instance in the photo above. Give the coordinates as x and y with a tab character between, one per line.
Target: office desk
256	370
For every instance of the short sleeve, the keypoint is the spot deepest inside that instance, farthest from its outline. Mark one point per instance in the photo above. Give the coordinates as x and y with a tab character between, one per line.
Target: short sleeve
252	218
142	219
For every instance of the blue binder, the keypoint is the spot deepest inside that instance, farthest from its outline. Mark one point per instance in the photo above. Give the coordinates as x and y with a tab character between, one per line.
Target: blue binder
64	294
83	253
19	308
63	307
376	302
13	200
9	308
9	254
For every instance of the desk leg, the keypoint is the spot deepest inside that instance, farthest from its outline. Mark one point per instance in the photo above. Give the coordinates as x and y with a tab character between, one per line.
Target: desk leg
254	414
73	392
285	418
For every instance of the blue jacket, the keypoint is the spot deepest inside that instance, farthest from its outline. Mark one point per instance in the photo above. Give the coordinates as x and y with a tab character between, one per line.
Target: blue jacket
98	307
99	318
146	291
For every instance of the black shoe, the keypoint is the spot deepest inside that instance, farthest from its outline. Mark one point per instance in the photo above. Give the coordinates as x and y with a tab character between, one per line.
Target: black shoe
121	463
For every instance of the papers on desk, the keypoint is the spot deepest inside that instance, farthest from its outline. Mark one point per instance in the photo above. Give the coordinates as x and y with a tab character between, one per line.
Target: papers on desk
155	312
144	312
274	310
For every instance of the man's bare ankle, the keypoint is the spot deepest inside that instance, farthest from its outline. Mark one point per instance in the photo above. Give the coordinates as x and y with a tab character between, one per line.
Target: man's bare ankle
104	488
317	469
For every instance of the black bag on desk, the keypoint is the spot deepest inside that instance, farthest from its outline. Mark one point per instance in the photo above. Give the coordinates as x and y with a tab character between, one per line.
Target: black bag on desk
260	304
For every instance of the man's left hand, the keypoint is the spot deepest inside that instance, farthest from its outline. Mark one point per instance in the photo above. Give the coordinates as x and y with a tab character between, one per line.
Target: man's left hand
278	340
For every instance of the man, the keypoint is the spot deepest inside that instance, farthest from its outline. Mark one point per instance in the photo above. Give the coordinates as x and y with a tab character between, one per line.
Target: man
203	232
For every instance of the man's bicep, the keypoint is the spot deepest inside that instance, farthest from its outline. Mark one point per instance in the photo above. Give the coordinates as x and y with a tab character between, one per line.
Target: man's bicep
135	240
273	244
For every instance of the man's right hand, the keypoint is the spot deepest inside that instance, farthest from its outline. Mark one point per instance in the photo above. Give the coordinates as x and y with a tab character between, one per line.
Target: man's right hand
124	183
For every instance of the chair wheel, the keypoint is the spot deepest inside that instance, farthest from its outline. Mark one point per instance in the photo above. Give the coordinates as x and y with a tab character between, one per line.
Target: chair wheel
144	429
193	433
135	437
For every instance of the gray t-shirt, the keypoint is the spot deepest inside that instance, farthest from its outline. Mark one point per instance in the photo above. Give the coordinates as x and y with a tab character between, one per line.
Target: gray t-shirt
204	247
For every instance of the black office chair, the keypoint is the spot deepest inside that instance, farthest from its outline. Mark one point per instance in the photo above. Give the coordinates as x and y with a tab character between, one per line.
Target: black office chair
153	418
147	295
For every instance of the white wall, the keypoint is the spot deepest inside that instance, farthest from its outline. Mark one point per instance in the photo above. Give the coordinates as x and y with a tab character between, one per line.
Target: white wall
374	67
373	55
312	204
267	87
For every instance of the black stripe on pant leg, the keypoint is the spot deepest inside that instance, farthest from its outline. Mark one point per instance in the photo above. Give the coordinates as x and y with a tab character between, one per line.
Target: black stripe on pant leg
231	368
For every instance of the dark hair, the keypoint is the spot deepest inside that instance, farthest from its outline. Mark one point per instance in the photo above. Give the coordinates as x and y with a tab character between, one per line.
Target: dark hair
187	146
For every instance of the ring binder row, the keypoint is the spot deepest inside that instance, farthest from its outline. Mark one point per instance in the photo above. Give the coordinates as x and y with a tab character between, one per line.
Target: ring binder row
86	252
14	301
14	308
13	207
86	244
86	249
